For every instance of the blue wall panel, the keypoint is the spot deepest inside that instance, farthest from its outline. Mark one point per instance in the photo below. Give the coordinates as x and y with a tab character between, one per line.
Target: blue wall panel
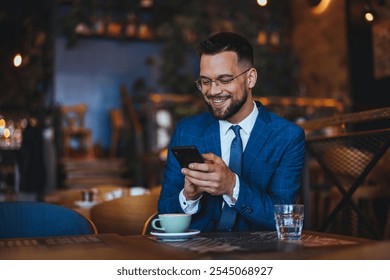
92	71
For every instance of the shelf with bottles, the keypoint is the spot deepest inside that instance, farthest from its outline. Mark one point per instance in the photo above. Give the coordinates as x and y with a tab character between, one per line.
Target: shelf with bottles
106	19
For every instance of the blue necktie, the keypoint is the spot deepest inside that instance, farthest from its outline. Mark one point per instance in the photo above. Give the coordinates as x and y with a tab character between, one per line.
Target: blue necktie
228	213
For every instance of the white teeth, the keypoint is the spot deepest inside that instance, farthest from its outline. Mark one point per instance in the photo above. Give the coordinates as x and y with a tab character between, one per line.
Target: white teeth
219	99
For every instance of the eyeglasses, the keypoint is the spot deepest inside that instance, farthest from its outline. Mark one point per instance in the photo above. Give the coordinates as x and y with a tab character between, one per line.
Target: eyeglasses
204	84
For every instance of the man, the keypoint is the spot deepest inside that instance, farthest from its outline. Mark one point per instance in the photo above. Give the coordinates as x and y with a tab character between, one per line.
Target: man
272	148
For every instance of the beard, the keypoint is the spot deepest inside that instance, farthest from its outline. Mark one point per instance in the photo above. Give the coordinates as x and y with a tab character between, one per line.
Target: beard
234	107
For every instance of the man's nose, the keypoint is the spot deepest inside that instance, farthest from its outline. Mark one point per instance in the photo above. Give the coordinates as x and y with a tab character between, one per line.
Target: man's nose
214	87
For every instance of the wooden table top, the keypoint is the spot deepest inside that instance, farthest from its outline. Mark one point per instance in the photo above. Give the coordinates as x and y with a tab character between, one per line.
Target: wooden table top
243	245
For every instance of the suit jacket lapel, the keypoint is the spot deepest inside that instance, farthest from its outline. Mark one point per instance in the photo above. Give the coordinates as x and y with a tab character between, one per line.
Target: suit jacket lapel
259	135
211	139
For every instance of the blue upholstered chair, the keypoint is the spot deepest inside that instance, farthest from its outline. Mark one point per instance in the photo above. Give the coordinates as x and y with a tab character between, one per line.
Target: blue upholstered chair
37	219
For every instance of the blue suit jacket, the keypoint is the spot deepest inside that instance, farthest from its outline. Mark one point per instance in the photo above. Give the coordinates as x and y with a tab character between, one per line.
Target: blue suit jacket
271	170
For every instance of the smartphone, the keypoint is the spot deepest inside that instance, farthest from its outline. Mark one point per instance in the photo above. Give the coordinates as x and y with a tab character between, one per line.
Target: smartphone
186	155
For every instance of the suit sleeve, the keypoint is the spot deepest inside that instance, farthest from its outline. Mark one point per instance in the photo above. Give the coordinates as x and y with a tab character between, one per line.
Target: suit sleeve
173	181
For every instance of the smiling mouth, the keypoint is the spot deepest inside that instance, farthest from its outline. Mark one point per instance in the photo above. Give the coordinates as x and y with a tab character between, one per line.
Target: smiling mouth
218	100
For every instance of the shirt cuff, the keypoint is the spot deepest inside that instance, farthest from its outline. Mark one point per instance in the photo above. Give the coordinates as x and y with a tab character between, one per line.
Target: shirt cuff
189	206
236	190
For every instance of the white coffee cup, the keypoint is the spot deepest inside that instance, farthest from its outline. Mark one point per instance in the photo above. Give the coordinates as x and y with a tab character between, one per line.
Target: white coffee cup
172	223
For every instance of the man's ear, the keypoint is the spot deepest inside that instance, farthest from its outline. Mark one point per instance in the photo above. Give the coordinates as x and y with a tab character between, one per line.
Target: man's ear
252	78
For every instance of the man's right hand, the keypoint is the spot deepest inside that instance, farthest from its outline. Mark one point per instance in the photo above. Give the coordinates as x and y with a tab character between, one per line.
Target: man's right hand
191	191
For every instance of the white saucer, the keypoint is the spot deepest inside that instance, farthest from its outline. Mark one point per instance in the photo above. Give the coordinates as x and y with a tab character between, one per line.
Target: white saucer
85	204
175	236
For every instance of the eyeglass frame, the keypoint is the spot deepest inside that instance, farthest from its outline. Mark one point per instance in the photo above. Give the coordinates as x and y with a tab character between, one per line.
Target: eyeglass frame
218	81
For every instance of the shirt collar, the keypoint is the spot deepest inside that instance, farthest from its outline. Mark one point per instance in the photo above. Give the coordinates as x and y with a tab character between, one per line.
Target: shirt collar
246	124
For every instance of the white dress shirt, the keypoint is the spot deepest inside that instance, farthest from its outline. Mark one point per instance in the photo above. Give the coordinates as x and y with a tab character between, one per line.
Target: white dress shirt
226	137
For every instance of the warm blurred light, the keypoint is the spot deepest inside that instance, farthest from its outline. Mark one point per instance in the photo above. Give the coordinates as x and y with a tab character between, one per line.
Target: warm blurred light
369	14
262	37
163	154
321	6
2	123
7	133
23	123
146	3
18	60
275	38
262	2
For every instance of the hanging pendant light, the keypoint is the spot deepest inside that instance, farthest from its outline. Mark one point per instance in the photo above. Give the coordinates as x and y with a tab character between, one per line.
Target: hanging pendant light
369	14
18	60
262	3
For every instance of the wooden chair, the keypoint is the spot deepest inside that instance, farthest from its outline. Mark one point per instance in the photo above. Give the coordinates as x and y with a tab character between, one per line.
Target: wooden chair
117	127
148	224
124	216
134	135
156	190
74	129
37	219
65	198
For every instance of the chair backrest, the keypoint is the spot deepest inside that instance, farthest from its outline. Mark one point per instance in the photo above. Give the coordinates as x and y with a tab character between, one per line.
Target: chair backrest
350	148
74	131
117	131
38	219
125	216
350	151
73	116
66	197
148	224
155	189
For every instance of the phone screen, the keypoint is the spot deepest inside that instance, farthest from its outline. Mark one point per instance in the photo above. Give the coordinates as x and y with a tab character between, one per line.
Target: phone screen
186	155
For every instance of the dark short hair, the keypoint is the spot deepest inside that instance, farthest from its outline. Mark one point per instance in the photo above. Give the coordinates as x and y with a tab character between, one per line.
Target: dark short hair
228	41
